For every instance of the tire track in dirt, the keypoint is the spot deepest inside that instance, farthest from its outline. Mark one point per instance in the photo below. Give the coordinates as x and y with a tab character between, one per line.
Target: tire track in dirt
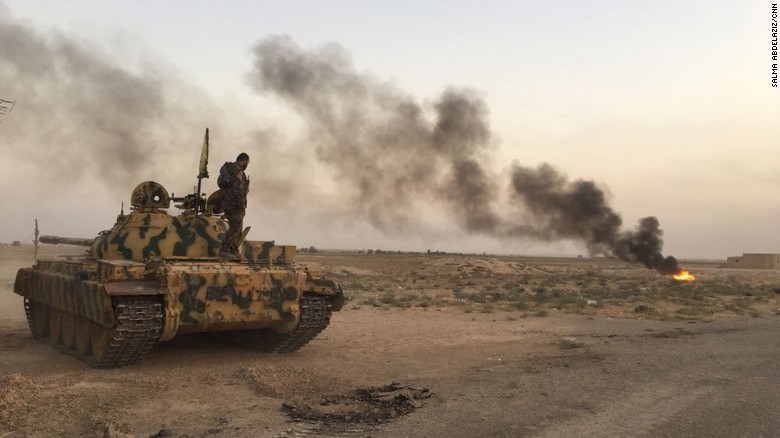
635	414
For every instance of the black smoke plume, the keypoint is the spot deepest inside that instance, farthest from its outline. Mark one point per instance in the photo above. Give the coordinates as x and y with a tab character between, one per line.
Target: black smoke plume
385	150
391	153
562	209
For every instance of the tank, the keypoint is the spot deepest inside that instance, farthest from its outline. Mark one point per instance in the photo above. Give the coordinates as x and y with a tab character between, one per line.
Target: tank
155	275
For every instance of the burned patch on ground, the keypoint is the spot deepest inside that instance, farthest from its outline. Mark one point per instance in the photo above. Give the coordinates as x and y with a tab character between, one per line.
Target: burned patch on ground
363	408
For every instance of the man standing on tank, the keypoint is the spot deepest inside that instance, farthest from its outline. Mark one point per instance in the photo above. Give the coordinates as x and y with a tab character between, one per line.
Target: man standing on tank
234	203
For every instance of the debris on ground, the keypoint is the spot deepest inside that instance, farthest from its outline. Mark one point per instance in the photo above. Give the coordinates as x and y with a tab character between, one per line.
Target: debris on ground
643	308
110	430
371	406
569	342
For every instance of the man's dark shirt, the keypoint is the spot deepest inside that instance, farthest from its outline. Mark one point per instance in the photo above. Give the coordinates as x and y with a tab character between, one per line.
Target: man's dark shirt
234	197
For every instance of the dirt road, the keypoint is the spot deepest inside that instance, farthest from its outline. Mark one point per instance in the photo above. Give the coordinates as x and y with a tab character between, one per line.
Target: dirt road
490	374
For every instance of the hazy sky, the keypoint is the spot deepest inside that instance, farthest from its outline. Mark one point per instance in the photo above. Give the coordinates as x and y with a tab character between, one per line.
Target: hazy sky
666	105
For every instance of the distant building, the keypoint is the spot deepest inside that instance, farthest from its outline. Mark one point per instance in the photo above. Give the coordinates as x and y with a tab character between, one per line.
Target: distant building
754	261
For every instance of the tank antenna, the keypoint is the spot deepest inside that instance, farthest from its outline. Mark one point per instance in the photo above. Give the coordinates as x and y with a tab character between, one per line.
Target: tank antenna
35	241
122	210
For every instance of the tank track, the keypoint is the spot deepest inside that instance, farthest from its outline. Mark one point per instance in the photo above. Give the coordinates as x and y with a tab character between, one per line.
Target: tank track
315	317
139	322
138	328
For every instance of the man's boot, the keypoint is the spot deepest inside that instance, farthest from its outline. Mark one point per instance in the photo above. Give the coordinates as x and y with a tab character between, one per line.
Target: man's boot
225	254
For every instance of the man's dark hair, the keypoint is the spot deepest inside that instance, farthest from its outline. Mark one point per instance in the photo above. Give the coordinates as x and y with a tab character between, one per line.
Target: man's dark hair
242	156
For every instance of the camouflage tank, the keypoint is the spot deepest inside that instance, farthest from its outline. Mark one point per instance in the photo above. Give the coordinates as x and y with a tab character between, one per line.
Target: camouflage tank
153	276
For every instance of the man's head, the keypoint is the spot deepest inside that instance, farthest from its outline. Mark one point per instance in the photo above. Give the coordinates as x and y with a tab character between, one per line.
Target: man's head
243	159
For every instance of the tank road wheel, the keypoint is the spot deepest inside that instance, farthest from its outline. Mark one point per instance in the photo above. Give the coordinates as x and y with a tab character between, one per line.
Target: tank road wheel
40	316
55	325
83	335
100	339
68	331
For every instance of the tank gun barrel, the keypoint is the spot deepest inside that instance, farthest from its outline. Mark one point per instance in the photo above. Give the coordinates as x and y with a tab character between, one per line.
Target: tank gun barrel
56	240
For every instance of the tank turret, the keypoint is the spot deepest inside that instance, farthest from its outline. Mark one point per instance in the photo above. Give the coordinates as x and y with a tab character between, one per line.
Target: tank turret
149	231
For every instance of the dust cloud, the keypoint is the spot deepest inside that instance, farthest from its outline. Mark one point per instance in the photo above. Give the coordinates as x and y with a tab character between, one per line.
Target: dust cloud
87	127
79	112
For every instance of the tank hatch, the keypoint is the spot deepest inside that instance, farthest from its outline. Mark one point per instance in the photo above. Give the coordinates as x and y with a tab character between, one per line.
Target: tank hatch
150	195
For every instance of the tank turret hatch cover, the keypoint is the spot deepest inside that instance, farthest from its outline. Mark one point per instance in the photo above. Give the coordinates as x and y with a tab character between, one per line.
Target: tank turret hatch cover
150	195
214	203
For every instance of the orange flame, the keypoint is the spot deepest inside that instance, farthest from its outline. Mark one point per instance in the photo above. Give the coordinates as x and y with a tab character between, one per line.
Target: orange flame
683	276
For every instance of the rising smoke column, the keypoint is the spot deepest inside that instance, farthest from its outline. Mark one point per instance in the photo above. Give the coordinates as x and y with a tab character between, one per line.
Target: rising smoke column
386	152
563	209
391	154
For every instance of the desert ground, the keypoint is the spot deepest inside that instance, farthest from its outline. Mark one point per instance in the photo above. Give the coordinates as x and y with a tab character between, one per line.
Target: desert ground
437	346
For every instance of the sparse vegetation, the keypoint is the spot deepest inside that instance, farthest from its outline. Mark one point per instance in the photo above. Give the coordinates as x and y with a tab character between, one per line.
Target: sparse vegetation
536	287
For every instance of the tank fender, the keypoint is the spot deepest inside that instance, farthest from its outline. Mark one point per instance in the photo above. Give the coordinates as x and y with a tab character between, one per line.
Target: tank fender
67	293
22	282
320	285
